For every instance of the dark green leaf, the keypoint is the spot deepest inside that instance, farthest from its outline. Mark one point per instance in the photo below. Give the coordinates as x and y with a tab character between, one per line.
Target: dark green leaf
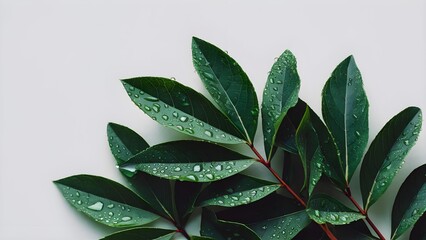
279	95
293	171
410	202
142	234
283	227
386	154
324	209
236	190
228	84
357	230
186	194
419	229
192	161
181	108
105	201
201	238
223	230
312	232
345	111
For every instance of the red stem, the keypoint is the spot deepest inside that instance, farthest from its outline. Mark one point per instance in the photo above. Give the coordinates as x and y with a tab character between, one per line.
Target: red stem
363	212
178	228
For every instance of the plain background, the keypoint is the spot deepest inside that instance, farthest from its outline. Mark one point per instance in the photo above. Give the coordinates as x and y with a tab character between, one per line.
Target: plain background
61	61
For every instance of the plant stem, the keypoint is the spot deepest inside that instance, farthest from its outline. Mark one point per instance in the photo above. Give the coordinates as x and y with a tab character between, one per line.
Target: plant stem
179	229
288	188
363	212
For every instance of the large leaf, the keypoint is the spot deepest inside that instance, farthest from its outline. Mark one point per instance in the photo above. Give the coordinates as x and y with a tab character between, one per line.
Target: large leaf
186	194
345	112
228	84
236	190
223	230
283	227
419	230
386	154
279	95
293	171
105	201
324	209
410	202
142	234
192	161
357	230
181	108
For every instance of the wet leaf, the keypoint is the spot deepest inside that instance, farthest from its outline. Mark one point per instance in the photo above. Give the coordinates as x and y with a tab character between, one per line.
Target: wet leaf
228	84
419	230
181	108
324	209
410	202
279	95
142	234
237	190
345	112
105	201
192	161
386	154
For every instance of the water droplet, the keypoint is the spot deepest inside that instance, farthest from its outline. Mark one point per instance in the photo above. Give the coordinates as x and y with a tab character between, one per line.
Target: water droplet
189	130
156	107
147	108
79	202
317	213
191	177
165	117
126	219
218	167
234	198
355	116
179	127
111	214
178	169
197	168
208	133
357	133
406	142
209	176
208	75
175	114
110	206
173	78
183	119
343	218
96	206
151	99
414	212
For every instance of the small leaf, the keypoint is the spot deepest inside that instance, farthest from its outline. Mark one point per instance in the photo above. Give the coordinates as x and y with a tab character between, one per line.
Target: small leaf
142	234
410	202
228	84
105	201
181	108
279	95
419	230
186	194
192	161
324	209
223	230
386	154
345	112
283	228
236	190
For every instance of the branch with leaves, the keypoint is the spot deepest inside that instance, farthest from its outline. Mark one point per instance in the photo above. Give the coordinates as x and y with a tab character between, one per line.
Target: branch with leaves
170	180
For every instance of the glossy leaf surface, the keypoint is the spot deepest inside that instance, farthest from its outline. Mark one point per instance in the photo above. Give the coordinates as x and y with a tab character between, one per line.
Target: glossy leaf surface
228	84
283	227
419	230
105	201
410	202
279	95
192	161
386	154
181	108
224	230
324	209
142	234
345	112
236	190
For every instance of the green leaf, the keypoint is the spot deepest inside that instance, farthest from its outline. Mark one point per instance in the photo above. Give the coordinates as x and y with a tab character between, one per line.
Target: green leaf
181	108
279	95
324	209
293	171
201	238
345	112
309	152
410	202
237	190
357	230
105	201
192	161
283	228
223	230
228	84
142	234
186	194
386	154
419	230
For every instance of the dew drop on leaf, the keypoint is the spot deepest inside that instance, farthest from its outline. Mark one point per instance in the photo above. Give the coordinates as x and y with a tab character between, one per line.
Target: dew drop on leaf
151	99
197	168
96	206
208	133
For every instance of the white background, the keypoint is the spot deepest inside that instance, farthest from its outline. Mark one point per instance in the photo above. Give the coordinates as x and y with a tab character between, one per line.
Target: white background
61	61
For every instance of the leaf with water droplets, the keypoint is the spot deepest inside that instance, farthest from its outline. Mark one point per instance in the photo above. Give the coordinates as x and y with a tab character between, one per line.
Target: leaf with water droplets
224	230
386	154
279	95
192	161
181	108
105	201
345	112
228	84
419	230
324	209
284	227
234	191
142	233
410	202
186	194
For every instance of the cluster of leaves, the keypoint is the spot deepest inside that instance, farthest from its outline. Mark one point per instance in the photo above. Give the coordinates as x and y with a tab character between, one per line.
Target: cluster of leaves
172	179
